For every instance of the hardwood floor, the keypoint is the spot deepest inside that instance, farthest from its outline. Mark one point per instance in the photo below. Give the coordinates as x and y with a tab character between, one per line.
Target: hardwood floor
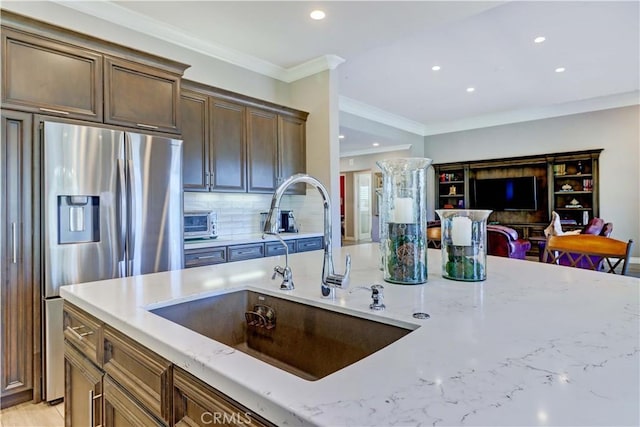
33	415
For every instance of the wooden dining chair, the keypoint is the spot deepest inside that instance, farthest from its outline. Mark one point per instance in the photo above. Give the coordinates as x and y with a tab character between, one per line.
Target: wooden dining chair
434	237
588	251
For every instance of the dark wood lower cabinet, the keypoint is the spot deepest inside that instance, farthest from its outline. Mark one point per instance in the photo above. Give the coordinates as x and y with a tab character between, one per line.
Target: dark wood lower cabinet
16	261
197	404
137	387
83	390
120	410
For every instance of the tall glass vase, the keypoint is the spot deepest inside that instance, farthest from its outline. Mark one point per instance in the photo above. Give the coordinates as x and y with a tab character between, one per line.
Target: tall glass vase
403	220
464	243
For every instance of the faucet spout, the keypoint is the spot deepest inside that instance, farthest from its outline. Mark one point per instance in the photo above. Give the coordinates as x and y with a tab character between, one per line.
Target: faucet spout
330	280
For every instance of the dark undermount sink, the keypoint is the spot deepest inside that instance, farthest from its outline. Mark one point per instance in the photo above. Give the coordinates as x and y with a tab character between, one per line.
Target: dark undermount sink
307	341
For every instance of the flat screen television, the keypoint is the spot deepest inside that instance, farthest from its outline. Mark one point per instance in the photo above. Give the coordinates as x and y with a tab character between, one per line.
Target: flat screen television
505	194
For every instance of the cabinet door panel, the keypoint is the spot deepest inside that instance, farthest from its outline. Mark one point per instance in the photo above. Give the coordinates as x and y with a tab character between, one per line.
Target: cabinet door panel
141	96
16	286
228	146
121	410
83	390
198	404
291	151
262	139
144	374
40	75
195	145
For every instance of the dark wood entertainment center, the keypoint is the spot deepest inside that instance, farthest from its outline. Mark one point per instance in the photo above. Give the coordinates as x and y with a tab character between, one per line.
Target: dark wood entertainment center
566	183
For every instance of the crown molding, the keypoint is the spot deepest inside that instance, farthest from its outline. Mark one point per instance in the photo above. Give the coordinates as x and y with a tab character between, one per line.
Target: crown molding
376	150
351	106
517	116
118	15
366	111
309	68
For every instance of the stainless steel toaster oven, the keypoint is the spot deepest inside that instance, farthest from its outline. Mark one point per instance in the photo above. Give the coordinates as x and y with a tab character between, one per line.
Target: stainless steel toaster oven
200	225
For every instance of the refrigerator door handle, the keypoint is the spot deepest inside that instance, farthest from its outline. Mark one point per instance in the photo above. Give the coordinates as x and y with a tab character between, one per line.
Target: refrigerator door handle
132	214
122	215
14	244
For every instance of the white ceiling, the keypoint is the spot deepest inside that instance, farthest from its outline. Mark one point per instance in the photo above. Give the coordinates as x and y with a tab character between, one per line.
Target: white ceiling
389	47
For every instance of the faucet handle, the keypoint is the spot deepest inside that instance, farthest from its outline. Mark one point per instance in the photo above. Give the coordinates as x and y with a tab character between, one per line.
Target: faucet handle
340	280
277	271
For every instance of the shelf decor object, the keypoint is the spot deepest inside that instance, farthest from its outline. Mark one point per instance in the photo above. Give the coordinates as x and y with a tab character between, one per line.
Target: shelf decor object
464	244
403	220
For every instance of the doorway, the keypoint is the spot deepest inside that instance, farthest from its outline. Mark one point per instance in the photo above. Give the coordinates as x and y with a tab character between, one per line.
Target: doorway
362	206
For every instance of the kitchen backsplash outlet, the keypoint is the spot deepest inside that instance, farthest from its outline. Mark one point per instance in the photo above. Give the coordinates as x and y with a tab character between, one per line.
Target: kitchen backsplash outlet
239	214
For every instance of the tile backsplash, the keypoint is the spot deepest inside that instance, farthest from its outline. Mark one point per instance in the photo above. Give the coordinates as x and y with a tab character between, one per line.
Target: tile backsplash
240	213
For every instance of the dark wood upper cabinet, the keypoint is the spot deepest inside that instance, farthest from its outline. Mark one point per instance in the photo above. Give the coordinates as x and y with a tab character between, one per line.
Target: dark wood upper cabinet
54	71
292	150
195	144
262	148
45	76
228	146
247	145
141	96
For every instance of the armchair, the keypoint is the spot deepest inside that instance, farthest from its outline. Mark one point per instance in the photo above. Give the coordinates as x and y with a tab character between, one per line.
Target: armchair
503	241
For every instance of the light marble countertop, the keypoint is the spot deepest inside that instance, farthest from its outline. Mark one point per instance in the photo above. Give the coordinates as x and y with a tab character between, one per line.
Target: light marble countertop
534	344
241	239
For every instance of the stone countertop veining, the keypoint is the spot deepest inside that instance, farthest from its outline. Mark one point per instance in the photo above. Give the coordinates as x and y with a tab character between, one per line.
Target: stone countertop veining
241	239
534	344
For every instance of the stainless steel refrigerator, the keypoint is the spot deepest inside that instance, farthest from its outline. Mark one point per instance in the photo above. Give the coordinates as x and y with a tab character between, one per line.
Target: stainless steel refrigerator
112	208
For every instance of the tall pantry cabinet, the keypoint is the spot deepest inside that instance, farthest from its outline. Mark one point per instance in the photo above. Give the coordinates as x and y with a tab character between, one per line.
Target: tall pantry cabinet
16	263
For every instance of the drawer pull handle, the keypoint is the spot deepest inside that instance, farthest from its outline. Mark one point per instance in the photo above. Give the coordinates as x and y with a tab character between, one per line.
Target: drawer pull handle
142	125
249	252
51	110
208	256
79	335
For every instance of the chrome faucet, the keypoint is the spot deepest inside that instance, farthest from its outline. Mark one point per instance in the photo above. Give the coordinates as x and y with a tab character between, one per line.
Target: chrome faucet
330	280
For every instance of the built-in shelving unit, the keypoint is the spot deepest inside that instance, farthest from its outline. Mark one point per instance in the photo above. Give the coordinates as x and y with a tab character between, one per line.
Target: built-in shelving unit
575	188
566	183
453	184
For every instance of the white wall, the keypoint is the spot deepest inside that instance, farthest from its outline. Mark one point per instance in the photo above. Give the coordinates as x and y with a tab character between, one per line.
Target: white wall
617	131
318	95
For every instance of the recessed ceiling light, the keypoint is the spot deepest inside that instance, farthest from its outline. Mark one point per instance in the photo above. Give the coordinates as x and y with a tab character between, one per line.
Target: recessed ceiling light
317	14
435	68
341	136
539	39
471	89
376	144
560	70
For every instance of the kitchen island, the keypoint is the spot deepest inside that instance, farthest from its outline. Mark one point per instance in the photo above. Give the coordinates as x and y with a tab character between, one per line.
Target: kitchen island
534	344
